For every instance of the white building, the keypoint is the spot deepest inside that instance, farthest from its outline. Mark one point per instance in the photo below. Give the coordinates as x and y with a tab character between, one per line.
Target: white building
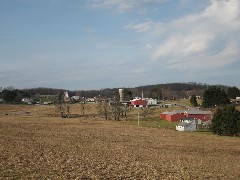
76	98
91	99
26	100
189	120
151	101
188	125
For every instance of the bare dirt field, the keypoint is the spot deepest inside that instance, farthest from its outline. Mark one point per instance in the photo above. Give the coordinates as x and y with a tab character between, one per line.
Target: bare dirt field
36	145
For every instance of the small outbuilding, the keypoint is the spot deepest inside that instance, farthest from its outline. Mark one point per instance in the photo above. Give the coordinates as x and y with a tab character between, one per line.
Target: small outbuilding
187	126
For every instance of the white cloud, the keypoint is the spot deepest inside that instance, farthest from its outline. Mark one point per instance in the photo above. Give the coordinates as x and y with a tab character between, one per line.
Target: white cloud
141	27
180	46
211	36
148	46
122	5
149	26
228	55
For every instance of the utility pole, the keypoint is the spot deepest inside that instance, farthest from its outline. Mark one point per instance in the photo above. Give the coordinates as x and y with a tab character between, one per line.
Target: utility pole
138	116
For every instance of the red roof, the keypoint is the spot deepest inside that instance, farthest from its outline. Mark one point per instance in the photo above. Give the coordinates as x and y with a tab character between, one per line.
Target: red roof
139	102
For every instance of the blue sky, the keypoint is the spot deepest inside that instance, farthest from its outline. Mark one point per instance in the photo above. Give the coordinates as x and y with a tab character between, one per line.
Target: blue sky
94	44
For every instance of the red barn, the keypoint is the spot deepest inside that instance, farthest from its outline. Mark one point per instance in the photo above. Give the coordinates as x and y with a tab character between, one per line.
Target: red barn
139	102
172	116
180	114
203	115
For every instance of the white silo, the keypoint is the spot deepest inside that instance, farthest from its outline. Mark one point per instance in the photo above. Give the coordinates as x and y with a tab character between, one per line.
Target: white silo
121	94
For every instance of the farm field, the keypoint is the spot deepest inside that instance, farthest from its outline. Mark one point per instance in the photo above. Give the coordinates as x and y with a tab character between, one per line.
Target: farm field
35	143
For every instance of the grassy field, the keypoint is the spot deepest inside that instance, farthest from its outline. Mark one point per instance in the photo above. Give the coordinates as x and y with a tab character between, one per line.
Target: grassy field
35	143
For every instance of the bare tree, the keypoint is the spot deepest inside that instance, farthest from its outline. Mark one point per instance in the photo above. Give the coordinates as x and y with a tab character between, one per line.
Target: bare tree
82	107
106	108
99	106
68	112
64	110
116	110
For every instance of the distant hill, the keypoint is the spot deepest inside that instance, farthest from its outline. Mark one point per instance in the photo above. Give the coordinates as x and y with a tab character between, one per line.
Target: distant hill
169	90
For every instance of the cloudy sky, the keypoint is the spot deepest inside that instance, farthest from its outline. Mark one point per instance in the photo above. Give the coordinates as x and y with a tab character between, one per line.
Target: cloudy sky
94	44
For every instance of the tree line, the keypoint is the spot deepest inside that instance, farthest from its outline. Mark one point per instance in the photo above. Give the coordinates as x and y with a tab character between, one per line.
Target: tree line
159	91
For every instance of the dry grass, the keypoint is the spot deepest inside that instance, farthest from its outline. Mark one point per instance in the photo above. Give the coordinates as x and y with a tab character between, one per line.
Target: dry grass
36	145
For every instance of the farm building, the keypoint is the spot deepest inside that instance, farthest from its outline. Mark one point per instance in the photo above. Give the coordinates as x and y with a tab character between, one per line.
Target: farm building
75	98
189	119
187	126
172	116
151	102
203	115
139	102
180	114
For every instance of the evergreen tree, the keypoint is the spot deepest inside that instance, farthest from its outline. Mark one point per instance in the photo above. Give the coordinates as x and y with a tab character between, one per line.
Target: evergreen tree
127	94
193	101
9	96
226	121
233	92
214	96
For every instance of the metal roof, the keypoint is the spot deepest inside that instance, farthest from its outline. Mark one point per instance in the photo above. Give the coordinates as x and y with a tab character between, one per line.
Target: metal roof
179	111
198	112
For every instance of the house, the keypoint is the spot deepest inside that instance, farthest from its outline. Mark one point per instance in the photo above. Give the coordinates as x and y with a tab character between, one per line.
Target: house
139	102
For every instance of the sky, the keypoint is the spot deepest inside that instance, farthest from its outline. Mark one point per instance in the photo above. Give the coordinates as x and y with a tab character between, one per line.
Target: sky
95	44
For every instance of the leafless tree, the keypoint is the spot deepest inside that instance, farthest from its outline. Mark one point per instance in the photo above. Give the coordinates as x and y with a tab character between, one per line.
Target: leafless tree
64	110
82	107
99	106
116	109
106	108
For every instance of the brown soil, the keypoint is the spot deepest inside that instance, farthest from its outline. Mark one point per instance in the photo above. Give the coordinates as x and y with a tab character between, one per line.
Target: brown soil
36	145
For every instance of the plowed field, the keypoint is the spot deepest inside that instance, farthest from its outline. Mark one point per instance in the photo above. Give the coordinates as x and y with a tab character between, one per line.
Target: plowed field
36	145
